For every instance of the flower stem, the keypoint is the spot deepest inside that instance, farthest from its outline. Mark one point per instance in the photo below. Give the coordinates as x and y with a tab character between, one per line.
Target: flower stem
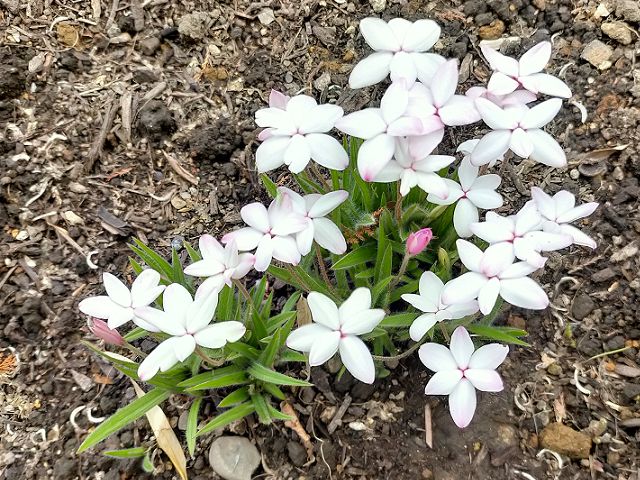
295	275
398	208
320	177
203	356
401	270
323	269
245	293
402	355
134	350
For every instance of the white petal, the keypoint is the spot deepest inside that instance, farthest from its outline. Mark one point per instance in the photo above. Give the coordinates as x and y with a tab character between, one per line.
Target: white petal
564	202
204	268
408	181
400	27
489	356
464	215
201	311
461	310
325	347
391	172
394	101
358	301
402	69
408	125
433	163
100	307
443	382
421	36
374	154
275	118
544	203
160	321
327	151
357	359
462	403
162	357
432	183
494	116
423	145
323	310
520	143
117	291
488	295
427	65
485	380
535	59
581	211
119	316
546	150
546	84
455	193
270	153
496	259
327	203
176	301
264	253
285	250
363	322
278	99
183	347
218	335
378	34
213	284
304	239
145	288
421	303
491	232
491	147
484	198
255	215
501	84
366	123
329	236
524	292
459	110
541	114
461	347
303	338
298	108
467	174
579	237
549	242
246	238
421	326
370	70
437	357
500	62
447	81
464	288
470	255
297	154
320	119
210	248
430	287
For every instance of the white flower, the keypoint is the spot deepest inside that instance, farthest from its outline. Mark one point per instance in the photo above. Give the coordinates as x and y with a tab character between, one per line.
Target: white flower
519	97
519	129
460	370
435	311
510	74
471	193
492	273
415	171
220	264
276	100
269	232
313	208
119	305
188	322
297	134
337	329
560	210
523	231
400	47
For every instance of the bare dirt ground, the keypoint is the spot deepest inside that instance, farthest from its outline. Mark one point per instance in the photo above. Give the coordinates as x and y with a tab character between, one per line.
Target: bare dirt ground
123	119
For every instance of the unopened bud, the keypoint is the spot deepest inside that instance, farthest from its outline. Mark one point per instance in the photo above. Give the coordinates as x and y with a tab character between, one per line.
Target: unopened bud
101	330
418	241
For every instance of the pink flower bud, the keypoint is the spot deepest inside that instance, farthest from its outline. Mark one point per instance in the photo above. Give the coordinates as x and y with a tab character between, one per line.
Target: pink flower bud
418	241
101	330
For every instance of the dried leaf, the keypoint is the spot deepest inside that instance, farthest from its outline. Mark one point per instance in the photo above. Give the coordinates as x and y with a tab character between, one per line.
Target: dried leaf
304	313
165	436
297	427
179	169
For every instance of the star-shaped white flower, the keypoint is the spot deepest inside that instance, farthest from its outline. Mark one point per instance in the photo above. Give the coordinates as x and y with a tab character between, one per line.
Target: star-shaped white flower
188	321
560	210
297	134
511	74
519	129
415	171
519	97
269	232
313	208
471	193
219	264
119	305
492	273
435	311
276	100
336	329
400	50
523	231
460	370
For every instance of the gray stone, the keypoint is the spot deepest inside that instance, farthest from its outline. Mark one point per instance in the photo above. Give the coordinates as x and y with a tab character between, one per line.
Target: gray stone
628	9
195	25
378	5
603	275
266	17
297	453
619	31
598	54
150	45
234	458
582	306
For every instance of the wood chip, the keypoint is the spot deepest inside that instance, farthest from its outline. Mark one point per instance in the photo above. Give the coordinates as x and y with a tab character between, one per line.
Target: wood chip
428	426
179	169
336	421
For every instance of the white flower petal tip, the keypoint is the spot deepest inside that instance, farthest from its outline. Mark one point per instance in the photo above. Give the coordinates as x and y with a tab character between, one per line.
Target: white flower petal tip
337	330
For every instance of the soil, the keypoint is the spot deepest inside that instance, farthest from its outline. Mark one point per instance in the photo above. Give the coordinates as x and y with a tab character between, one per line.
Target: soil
163	92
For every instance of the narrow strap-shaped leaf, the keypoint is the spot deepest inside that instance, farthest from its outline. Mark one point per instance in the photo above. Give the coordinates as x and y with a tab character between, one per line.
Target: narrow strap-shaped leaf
260	404
226	303
239	378
501	334
243	350
135	334
268	355
359	256
399	320
269	185
273	390
125	416
176	267
224	419
210	375
277	414
151	258
194	255
192	425
137	268
235	397
290	304
260	372
135	452
291	356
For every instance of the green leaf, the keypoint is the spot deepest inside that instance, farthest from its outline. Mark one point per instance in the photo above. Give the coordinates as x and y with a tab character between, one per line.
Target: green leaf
194	255
280	320
224	419
269	185
243	350
135	334
192	425
235	397
260	372
210	375
268	355
380	288
137	268
147	464
292	356
399	320
383	254
273	390
125	416
226	303
135	452
355	257
176	267
501	334
290	304
277	414
227	380
260	404
151	258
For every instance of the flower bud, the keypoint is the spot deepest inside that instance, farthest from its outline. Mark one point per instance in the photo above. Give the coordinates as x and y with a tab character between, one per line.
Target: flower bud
418	241
101	330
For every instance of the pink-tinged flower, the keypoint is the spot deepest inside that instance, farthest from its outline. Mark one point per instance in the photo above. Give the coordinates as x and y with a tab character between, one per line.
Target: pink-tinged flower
219	264
101	330
519	97
276	100
313	208
400	50
120	305
511	74
471	193
269	232
460	370
336	329
296	134
420	171
434	310
492	273
188	321
519	129
560	210
523	231
418	241
467	147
